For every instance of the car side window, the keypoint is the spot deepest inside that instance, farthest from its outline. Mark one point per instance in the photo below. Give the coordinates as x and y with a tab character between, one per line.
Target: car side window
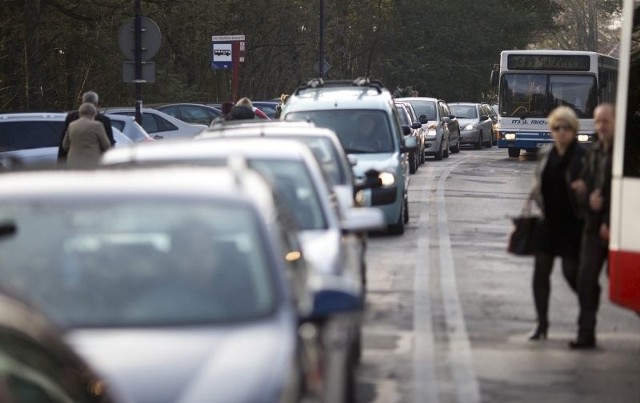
170	110
118	124
29	135
194	114
149	123
163	124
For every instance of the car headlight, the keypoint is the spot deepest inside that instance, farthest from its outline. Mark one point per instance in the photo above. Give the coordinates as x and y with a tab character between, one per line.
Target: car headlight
510	136
469	127
387	178
583	137
431	133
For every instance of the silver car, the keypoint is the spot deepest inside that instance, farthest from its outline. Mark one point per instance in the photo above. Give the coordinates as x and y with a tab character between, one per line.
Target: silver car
158	124
329	239
476	126
173	291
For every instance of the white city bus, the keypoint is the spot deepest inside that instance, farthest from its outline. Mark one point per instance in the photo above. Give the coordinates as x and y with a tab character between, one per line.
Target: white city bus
534	82
624	245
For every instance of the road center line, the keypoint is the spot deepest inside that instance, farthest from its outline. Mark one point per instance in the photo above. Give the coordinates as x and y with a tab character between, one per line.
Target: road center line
467	388
425	386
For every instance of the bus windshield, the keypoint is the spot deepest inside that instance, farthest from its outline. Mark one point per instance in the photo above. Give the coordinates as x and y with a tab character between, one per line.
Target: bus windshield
536	95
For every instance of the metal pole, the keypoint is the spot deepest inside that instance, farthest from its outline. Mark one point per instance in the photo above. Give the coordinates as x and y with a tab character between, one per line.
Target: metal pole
235	79
321	45
138	60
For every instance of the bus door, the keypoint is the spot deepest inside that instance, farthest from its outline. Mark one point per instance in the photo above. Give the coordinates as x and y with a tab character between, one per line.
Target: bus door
624	247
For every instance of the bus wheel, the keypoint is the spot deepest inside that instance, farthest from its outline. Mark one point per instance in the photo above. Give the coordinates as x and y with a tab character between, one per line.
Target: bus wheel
514	152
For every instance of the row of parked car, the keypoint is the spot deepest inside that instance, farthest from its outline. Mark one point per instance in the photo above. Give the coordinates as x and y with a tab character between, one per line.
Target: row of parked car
227	265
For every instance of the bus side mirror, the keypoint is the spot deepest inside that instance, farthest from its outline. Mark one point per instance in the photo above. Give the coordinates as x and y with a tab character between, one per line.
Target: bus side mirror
494	77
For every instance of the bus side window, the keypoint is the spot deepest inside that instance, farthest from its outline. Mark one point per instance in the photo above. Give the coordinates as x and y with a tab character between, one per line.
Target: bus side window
632	131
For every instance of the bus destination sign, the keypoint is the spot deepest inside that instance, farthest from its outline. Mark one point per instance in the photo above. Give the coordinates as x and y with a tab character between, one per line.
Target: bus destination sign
549	62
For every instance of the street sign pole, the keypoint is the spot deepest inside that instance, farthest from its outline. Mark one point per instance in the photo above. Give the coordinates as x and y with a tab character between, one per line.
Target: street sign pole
235	54
138	60
321	41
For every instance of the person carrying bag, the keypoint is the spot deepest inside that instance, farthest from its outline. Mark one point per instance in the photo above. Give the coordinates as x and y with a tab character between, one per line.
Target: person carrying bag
523	239
559	230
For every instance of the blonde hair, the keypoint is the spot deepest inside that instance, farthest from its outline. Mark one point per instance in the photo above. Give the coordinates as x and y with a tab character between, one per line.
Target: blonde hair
245	103
566	115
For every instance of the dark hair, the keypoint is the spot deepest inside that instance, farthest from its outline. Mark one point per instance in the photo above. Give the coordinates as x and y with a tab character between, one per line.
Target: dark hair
226	107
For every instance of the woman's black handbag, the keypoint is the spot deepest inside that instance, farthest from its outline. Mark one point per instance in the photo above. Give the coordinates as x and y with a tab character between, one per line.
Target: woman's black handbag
523	239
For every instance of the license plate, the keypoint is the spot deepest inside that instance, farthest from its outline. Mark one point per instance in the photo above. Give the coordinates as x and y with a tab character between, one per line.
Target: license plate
541	145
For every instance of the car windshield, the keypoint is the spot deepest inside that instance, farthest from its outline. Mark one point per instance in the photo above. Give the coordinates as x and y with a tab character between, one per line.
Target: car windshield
536	95
137	262
464	111
359	131
426	108
292	181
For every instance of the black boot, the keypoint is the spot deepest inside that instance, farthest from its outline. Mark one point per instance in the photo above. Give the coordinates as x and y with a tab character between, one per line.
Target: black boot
540	332
586	341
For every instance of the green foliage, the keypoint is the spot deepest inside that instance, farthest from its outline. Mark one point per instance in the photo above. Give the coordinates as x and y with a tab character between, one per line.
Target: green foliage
51	51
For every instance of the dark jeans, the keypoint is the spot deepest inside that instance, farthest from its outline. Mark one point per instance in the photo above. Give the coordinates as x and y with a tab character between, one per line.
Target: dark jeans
542	281
592	258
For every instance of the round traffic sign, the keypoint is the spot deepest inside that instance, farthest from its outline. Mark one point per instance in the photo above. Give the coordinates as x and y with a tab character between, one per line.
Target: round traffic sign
151	38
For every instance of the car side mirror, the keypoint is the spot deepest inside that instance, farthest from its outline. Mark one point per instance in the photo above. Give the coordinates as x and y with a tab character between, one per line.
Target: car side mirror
484	117
416	125
333	296
406	130
494	77
423	119
446	120
158	137
362	219
409	144
452	117
353	160
371	181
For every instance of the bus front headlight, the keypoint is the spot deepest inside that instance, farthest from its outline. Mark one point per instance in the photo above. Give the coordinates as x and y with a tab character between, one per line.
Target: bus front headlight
583	138
510	136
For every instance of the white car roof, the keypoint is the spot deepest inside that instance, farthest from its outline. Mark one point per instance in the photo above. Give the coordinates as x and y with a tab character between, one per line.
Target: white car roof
333	98
170	182
208	148
17	117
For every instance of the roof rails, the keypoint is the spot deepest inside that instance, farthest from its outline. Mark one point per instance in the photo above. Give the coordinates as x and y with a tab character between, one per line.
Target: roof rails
358	82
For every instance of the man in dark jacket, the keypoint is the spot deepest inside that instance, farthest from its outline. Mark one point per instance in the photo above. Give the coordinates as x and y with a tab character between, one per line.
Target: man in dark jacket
594	188
92	98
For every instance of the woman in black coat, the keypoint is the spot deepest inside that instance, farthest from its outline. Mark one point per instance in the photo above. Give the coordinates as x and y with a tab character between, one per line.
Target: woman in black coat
561	227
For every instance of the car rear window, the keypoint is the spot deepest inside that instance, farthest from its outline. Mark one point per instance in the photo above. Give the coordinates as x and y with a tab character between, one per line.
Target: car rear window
30	134
427	108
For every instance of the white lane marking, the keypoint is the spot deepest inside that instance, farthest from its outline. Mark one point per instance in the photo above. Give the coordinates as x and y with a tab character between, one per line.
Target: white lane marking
460	356
425	386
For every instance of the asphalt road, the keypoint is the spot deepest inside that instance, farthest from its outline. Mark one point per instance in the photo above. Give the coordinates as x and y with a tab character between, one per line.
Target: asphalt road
449	311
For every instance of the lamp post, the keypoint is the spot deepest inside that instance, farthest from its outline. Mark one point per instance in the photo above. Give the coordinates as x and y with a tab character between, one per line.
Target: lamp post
138	60
321	41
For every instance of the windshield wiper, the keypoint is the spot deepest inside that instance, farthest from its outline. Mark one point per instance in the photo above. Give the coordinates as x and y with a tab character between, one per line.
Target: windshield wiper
7	229
357	151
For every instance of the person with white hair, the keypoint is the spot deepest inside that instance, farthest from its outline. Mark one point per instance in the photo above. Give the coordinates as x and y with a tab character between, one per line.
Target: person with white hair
85	140
90	97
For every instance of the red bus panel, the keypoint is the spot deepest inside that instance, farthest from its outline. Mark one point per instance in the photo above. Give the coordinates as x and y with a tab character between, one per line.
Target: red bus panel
624	279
